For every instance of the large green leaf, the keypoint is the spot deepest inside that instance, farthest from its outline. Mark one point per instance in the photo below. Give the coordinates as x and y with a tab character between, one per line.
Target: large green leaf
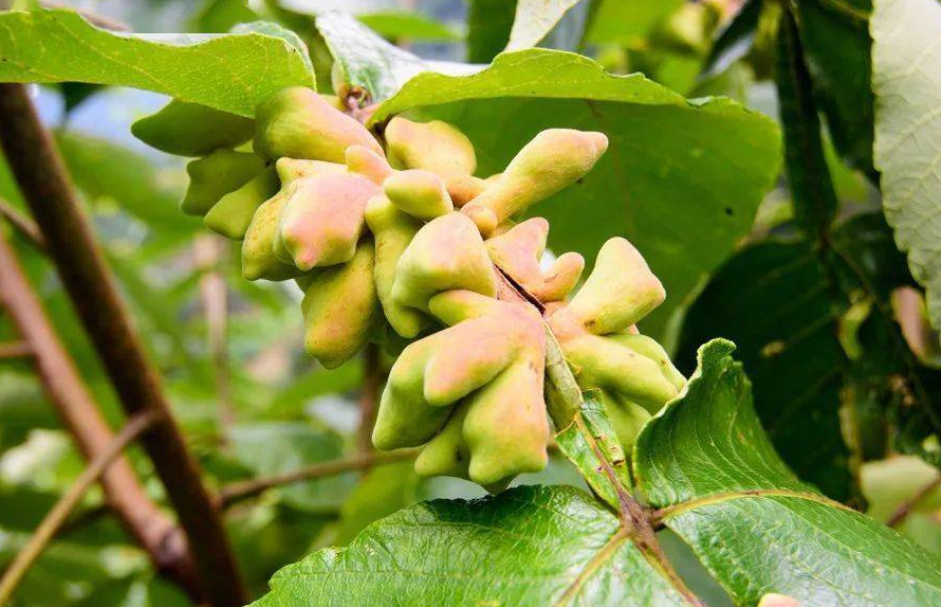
228	72
529	546
705	462
907	83
681	179
783	303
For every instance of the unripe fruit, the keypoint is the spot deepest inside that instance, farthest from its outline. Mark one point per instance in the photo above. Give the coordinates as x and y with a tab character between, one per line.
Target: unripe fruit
517	252
323	219
612	365
296	122
447	453
434	146
363	161
258	257
292	169
447	253
341	309
492	360
778	600
393	230
553	160
190	129
215	175
619	292
419	193
234	211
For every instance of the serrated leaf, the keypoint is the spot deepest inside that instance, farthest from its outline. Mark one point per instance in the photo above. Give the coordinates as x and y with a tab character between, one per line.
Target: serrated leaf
227	72
529	546
803	377
705	461
907	84
681	179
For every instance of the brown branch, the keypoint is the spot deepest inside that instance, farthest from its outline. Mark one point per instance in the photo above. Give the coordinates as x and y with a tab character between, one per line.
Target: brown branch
69	500
908	506
73	402
236	492
368	397
23	224
46	187
15	349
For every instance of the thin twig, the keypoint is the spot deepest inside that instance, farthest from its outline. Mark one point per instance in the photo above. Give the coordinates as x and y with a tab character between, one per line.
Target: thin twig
369	396
15	349
44	183
69	500
908	506
138	513
23	224
236	492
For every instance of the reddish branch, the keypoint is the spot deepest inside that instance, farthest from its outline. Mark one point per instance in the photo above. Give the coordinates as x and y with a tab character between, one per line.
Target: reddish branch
140	516
56	517
46	188
369	397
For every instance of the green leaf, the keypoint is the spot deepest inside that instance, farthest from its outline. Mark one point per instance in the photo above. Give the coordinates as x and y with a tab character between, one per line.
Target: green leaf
835	39
804	380
681	179
815	202
407	25
219	16
276	447
706	463
733	40
369	61
907	83
527	546
534	20
383	491
488	28
232	73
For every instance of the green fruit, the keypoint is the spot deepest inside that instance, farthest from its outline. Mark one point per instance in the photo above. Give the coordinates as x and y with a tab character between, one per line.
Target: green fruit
553	160
258	257
189	129
323	219
393	230
292	169
297	123
341	309
234	211
419	193
447	253
215	175
447	453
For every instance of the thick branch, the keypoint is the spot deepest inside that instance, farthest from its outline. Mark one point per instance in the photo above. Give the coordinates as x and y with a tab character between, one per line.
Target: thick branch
43	181
69	500
140	516
239	491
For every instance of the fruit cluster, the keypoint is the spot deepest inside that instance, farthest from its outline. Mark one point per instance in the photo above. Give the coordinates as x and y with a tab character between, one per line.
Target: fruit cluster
405	239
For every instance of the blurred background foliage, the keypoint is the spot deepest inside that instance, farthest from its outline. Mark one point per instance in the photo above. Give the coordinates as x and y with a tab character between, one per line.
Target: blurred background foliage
826	339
